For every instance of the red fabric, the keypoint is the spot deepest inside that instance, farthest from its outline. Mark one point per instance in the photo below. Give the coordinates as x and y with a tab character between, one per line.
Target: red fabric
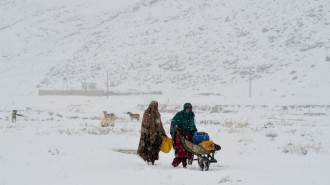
182	154
178	160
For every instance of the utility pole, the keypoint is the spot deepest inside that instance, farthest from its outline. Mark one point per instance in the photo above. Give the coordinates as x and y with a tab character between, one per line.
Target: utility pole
250	84
108	84
65	84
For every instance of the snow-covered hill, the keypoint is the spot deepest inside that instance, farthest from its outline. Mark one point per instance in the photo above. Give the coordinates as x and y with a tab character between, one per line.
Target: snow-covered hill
204	46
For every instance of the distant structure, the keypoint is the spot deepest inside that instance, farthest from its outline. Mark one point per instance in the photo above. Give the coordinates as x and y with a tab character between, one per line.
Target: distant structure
65	84
327	58
90	89
88	86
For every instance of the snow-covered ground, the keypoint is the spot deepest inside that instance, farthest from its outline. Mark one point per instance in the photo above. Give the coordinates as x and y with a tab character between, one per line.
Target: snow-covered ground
60	141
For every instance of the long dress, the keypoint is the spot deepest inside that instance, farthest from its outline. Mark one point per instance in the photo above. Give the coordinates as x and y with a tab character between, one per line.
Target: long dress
152	134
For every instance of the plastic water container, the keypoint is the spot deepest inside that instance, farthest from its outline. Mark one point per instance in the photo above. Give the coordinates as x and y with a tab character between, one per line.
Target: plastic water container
200	137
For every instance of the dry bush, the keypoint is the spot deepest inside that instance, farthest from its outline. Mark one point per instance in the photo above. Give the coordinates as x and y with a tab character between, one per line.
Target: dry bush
269	125
209	122
73	117
271	135
126	130
301	149
228	111
90	131
98	131
292	131
50	119
54	152
245	140
96	118
65	131
225	179
314	114
242	125
228	123
59	115
50	113
10	126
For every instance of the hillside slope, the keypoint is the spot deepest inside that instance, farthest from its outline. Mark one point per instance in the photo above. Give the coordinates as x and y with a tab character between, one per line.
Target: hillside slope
204	46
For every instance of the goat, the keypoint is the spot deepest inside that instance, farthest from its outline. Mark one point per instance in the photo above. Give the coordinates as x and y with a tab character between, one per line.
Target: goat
109	119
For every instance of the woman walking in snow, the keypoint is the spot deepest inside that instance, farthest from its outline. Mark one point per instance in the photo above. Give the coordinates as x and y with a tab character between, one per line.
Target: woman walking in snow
182	124
152	134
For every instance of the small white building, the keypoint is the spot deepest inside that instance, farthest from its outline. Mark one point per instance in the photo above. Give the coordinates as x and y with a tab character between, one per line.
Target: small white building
88	86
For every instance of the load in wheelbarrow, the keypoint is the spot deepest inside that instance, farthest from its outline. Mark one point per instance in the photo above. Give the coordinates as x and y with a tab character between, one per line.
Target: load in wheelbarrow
204	157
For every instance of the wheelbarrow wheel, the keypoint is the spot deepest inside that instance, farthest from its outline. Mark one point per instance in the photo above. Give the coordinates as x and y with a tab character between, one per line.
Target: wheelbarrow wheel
203	163
200	163
206	164
190	161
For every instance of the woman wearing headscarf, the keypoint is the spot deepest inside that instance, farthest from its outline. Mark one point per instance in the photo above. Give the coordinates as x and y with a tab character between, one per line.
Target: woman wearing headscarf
182	124
152	134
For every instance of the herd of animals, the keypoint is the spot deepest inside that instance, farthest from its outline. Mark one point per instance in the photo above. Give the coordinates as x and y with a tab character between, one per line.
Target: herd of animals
108	120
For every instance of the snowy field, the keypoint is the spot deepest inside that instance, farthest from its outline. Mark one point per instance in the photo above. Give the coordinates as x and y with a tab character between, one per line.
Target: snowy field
203	52
60	141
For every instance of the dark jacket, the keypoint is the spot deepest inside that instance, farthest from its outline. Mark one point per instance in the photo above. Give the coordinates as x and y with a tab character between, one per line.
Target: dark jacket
184	121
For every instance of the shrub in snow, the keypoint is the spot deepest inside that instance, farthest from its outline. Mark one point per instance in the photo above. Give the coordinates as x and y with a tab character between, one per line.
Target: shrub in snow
59	115
65	131
271	135
228	123
50	119
242	125
209	122
73	117
301	149
98	131
268	125
54	152
95	118
225	179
